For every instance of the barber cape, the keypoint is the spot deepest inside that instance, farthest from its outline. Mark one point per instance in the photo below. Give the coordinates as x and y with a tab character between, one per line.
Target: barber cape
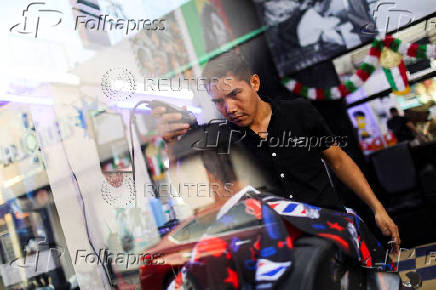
250	245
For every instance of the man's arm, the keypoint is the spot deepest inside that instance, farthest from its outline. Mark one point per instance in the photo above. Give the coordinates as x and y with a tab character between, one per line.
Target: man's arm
349	173
412	127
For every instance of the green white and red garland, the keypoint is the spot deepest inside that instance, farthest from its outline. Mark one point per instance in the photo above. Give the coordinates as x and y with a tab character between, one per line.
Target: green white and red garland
397	77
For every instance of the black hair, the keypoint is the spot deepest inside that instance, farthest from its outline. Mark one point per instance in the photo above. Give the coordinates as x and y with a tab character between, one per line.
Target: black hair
393	110
220	165
228	63
358	114
217	159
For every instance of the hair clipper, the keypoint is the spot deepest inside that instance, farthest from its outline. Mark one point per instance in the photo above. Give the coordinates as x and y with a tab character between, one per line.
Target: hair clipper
187	116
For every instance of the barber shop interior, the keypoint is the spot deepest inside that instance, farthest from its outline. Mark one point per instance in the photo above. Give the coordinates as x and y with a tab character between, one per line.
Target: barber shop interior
218	144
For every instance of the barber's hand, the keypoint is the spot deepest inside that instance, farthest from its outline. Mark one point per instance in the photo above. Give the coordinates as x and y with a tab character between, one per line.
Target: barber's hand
421	138
388	227
169	131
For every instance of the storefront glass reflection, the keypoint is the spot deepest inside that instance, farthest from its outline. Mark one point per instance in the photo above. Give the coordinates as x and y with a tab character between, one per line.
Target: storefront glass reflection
33	250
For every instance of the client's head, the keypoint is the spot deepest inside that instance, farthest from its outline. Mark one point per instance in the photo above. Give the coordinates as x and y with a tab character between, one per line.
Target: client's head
394	112
221	174
208	169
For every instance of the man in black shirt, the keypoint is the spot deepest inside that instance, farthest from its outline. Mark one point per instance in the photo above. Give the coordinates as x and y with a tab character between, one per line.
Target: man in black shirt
290	151
403	129
288	137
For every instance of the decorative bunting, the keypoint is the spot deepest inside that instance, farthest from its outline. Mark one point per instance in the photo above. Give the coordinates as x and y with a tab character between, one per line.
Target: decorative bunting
397	79
395	74
395	71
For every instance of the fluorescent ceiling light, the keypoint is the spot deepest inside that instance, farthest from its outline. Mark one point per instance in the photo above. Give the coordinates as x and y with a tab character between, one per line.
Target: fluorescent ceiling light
182	94
130	105
127	105
193	109
19	178
166	91
27	100
42	75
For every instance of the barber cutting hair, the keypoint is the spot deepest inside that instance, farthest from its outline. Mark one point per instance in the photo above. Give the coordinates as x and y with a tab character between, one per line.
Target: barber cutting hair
296	165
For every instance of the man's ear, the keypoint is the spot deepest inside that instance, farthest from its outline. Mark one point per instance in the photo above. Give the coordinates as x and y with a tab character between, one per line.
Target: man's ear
255	82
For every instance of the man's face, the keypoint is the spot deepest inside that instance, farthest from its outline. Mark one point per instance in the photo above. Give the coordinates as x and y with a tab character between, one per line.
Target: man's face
236	99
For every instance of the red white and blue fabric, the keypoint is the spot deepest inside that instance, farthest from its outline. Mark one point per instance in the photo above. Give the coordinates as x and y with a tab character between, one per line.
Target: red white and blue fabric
258	252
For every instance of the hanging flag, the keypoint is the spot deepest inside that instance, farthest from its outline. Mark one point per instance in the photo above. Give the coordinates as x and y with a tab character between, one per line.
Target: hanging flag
394	69
369	65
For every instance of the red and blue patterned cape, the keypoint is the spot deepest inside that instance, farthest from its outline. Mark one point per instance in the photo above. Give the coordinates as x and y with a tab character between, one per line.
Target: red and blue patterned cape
252	242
